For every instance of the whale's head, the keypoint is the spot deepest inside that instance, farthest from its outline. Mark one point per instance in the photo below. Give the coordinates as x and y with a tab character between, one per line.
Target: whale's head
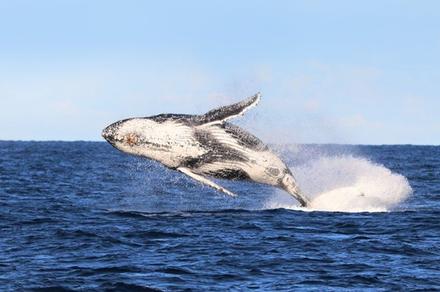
117	135
137	136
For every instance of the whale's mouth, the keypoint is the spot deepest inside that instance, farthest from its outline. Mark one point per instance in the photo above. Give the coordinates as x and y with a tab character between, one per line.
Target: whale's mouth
130	139
108	135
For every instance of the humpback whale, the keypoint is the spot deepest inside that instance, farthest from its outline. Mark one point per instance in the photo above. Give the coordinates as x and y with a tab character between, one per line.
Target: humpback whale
204	146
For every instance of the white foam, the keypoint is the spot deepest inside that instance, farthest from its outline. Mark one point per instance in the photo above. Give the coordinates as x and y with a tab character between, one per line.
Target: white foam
346	184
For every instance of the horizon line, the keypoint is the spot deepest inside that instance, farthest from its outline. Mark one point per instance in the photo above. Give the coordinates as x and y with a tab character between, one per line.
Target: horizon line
269	143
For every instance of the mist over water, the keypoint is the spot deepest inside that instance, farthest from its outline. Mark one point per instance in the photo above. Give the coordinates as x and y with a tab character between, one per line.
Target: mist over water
345	183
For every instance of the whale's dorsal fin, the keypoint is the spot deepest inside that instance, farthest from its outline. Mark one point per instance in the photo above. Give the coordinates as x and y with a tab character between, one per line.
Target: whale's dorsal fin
221	114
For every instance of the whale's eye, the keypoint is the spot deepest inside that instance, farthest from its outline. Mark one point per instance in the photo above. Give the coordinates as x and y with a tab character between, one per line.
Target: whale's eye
273	171
131	139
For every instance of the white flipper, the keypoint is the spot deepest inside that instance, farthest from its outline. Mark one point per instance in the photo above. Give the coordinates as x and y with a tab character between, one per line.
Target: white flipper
224	113
205	181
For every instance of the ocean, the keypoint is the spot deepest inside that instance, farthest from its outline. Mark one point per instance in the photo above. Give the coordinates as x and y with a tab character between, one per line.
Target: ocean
83	216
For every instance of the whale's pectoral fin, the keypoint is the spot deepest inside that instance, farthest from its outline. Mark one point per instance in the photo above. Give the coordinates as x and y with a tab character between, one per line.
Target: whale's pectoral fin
205	181
221	114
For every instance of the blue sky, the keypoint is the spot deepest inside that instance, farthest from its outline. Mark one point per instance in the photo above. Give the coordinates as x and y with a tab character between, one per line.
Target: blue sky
361	72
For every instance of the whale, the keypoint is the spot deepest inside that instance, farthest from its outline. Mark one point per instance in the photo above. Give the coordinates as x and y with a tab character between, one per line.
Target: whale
205	146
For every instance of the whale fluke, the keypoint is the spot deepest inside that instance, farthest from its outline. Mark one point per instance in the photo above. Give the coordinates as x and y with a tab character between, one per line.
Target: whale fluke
288	183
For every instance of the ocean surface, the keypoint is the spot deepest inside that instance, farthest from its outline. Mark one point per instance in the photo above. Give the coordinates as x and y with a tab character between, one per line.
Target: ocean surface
83	216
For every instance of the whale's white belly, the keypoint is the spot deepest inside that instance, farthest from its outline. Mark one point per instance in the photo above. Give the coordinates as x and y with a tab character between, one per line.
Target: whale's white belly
169	142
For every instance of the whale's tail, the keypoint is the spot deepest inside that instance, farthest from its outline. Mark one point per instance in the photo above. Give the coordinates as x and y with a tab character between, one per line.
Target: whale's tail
288	184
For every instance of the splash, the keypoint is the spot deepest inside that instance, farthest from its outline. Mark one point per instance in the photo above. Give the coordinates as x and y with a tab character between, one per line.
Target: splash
347	184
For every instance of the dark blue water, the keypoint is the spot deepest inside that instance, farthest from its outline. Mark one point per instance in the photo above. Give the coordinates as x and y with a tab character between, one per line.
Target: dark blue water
83	216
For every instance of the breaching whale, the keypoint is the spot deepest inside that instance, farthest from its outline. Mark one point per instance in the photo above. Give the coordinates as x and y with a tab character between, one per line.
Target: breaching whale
203	146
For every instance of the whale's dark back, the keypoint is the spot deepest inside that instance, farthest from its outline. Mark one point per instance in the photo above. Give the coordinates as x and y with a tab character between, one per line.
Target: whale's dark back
217	150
